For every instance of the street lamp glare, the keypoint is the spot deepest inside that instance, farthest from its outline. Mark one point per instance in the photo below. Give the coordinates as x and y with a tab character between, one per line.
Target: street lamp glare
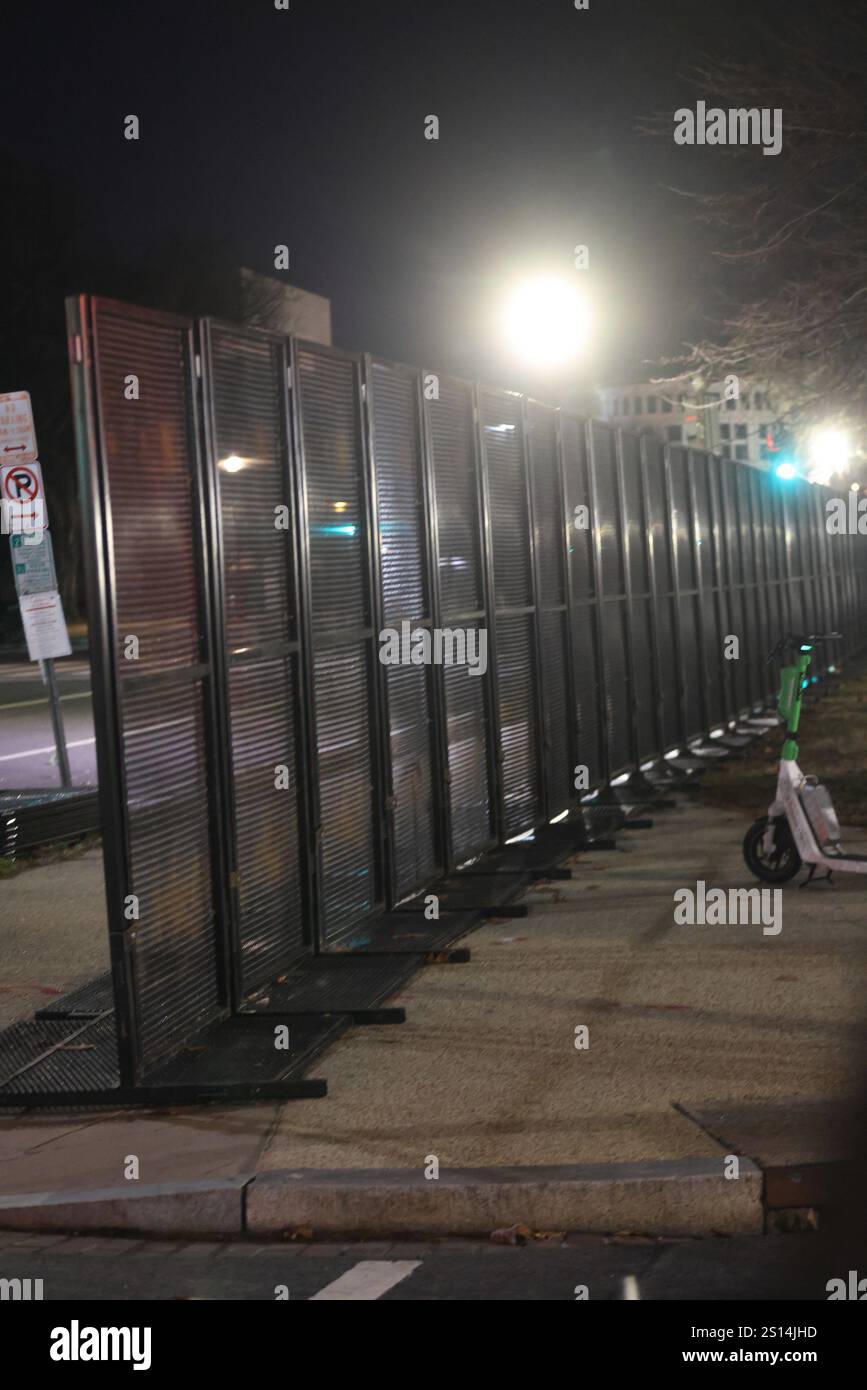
546	321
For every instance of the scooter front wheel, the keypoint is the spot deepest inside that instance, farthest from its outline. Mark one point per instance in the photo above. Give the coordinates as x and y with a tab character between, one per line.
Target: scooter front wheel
782	863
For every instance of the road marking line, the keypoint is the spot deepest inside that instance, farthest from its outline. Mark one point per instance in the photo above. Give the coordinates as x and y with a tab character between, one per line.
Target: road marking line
21	704
368	1280
35	752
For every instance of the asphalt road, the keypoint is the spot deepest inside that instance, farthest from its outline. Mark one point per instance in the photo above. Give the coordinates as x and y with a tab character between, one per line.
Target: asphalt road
27	755
753	1268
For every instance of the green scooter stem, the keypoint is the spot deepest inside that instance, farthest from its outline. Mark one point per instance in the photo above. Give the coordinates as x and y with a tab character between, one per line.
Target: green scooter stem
790	747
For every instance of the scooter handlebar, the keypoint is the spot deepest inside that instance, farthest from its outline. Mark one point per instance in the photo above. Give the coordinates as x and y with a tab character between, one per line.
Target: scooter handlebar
797	639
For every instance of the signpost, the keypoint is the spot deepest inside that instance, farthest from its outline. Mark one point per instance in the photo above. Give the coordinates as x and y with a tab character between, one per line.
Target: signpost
24	515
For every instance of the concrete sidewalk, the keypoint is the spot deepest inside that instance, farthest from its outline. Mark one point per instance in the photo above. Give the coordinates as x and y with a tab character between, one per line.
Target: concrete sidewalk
691	1028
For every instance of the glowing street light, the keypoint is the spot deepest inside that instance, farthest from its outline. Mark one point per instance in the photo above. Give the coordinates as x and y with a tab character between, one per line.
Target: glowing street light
546	321
829	454
233	464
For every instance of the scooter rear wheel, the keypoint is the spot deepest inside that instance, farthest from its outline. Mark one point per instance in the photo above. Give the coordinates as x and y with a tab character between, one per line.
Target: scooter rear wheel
782	863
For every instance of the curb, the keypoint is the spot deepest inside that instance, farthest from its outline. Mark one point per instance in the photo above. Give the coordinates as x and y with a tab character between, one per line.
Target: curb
206	1207
684	1197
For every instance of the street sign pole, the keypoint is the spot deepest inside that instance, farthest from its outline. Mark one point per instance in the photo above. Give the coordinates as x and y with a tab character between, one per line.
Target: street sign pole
22	496
49	677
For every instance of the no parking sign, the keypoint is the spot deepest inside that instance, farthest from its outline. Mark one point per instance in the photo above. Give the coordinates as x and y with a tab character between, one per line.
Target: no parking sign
22	494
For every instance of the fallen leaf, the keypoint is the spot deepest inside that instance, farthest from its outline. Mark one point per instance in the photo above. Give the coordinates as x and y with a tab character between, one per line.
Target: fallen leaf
512	1235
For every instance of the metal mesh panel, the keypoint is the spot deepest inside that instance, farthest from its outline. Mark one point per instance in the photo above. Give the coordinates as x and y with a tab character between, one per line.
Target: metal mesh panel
334	479
516	670
400	495
608	528
265	782
167	798
468	766
636	527
642	660
410	732
551	599
658	518
557	732
453	450
344	701
247	385
547	505
692	672
613	614
343	719
587	667
578	507
459	574
405	598
681	516
703	536
713	655
507	488
641	608
667	660
616	685
745	512
151	473
517	674
582	584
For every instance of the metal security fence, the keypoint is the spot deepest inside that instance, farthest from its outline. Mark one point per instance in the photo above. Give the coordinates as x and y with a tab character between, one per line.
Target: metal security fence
281	538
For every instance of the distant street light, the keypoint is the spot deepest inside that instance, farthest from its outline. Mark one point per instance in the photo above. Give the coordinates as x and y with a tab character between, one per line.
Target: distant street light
547	321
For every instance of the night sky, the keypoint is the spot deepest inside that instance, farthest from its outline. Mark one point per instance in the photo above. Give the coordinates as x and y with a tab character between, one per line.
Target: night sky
305	127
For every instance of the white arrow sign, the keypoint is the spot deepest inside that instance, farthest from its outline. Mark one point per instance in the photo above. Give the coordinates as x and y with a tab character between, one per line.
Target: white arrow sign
17	431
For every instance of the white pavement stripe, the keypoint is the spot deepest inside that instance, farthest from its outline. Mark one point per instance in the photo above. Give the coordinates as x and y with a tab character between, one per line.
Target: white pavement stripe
43	700
368	1280
82	742
35	752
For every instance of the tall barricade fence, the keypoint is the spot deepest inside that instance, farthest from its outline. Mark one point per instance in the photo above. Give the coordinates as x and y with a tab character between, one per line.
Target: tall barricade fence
354	624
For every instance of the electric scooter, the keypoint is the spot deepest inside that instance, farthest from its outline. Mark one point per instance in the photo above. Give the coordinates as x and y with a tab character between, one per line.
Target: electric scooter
801	826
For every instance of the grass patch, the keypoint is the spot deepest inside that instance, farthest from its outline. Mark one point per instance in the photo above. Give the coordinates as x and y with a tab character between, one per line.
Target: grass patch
832	739
56	853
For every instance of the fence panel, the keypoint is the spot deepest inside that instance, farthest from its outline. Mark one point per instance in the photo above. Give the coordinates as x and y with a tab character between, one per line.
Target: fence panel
257	612
346	707
406	610
686	581
639	600
611	580
582	593
154	696
461	602
666	655
516	640
550	552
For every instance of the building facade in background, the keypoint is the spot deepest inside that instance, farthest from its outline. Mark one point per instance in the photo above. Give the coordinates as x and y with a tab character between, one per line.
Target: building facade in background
682	413
269	303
